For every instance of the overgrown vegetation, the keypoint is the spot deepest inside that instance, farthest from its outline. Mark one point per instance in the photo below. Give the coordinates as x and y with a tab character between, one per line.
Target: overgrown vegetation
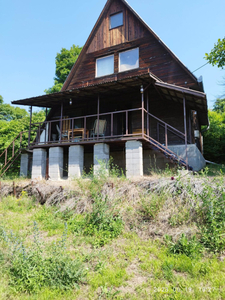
31	269
117	240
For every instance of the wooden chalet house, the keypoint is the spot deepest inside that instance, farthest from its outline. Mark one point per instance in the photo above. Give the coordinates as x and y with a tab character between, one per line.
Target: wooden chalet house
127	96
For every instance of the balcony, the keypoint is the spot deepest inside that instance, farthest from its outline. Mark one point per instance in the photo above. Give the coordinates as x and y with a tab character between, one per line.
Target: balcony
106	127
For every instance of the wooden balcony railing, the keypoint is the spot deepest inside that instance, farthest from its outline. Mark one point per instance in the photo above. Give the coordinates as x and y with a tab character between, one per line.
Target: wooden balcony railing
124	124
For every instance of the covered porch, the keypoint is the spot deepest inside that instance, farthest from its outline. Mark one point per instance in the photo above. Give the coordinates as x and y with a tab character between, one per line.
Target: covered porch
140	109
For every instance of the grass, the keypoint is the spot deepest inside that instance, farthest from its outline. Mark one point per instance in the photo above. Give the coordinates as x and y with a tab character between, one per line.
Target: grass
118	242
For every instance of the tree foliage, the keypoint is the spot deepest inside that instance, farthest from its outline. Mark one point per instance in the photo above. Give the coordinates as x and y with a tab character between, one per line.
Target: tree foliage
13	120
8	112
64	62
217	54
219	105
214	138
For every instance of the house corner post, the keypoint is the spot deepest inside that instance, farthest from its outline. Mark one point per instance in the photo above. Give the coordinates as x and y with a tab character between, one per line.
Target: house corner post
98	110
185	129
148	130
61	117
142	110
30	126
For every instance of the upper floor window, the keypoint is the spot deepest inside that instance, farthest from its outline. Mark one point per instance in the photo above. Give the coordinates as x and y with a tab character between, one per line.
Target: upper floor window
116	20
129	60
105	66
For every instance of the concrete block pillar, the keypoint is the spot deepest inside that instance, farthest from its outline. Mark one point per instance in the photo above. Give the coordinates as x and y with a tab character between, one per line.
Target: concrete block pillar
76	161
134	159
39	163
24	165
101	157
55	163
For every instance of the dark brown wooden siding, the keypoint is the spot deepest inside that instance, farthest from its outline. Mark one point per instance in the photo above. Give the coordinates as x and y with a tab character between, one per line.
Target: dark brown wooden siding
154	56
132	29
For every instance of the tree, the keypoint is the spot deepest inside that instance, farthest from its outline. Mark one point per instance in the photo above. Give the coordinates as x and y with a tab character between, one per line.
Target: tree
8	112
219	105
64	62
214	138
217	54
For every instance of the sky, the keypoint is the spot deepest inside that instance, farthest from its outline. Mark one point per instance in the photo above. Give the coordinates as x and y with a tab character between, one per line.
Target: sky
32	32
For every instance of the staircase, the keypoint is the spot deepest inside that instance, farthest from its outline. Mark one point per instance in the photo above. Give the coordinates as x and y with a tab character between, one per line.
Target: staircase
168	153
9	155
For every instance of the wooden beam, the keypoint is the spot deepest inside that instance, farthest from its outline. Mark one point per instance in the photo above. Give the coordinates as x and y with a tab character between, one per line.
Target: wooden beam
148	113
61	121
30	126
98	110
185	128
142	111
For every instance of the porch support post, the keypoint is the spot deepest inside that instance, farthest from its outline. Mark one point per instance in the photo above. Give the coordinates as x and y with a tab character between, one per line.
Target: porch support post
147	114
101	158
24	165
134	159
61	121
142	110
76	161
98	109
55	163
185	128
30	126
190	131
45	123
39	163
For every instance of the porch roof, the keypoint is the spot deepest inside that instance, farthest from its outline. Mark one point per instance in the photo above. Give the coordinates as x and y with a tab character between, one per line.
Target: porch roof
89	90
195	100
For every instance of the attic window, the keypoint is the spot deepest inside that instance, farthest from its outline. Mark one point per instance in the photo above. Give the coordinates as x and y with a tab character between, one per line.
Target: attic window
129	60
105	66
116	20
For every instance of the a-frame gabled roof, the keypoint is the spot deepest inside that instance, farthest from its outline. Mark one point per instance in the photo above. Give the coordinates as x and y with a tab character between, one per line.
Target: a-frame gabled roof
92	34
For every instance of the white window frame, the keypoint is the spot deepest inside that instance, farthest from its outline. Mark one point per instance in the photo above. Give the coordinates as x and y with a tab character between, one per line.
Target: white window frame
125	52
96	66
120	12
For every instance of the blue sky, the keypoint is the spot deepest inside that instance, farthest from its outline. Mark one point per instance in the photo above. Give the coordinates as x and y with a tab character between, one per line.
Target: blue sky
32	32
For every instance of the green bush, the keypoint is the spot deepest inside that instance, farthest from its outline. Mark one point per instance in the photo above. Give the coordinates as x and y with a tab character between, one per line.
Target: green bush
103	223
190	247
37	267
211	213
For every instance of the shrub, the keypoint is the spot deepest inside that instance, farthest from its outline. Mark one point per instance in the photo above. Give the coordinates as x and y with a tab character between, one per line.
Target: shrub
211	213
37	267
103	223
190	247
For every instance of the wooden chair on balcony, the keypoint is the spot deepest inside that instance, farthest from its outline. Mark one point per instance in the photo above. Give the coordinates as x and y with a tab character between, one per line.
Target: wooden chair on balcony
65	129
99	128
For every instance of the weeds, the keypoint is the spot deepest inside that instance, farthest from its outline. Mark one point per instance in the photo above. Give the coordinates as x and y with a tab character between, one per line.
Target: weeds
103	223
32	269
151	205
212	218
190	247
